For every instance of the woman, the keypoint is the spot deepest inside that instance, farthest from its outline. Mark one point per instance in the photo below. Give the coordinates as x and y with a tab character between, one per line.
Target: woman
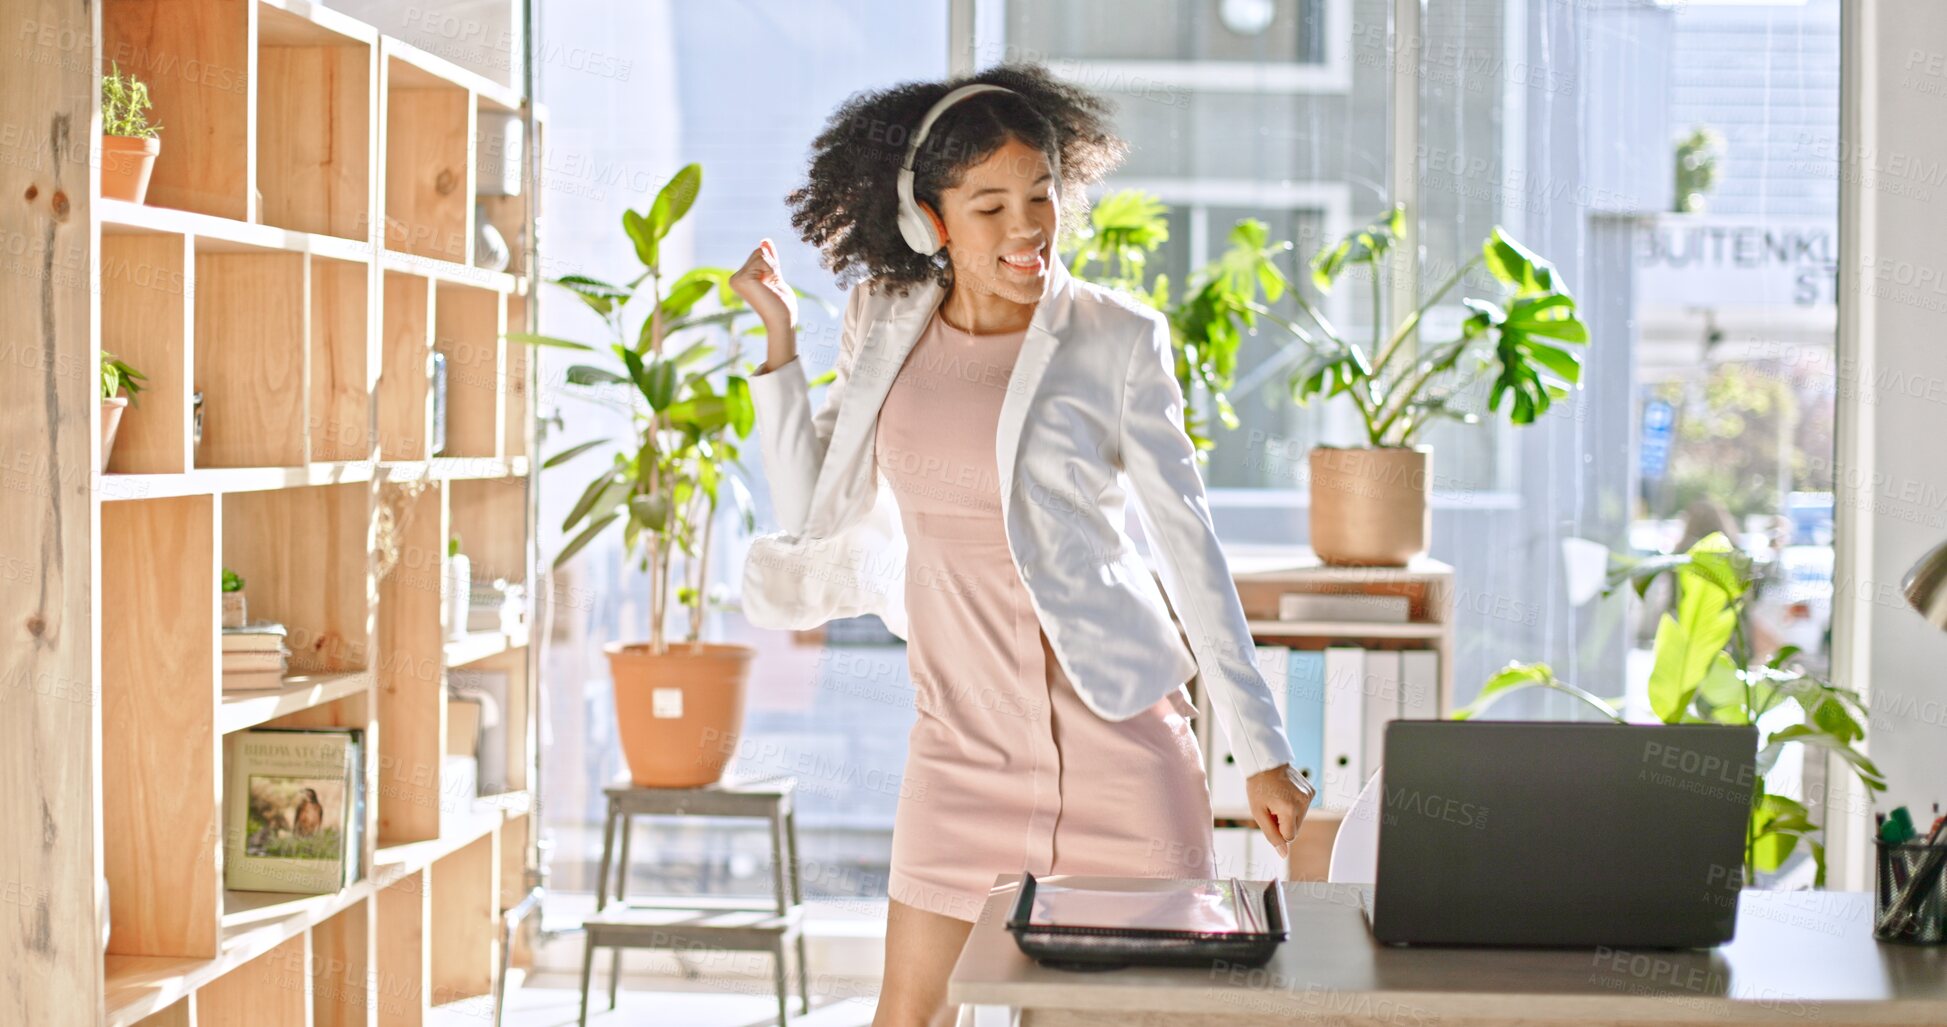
1002	401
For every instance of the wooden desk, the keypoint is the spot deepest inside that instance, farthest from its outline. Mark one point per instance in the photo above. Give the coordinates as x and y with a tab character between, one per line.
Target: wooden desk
1799	957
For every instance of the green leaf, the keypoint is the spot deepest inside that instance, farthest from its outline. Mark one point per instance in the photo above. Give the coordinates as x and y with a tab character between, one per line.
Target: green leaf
676	197
1517	676
1515	265
643	234
592	498
1720	694
548	340
1687	645
572	452
588	534
587	374
1364	245
1867	772
686	292
601	297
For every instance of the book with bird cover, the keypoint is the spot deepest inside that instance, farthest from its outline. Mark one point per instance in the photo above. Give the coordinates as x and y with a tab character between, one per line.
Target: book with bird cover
290	810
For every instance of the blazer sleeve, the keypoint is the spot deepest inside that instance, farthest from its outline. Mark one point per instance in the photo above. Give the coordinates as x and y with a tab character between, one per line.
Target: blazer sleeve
1160	461
793	438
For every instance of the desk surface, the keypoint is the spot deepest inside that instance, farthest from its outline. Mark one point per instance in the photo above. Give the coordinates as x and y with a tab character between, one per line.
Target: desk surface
1805	957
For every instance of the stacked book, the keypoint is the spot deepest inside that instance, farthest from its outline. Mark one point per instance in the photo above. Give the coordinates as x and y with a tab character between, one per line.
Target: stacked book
254	657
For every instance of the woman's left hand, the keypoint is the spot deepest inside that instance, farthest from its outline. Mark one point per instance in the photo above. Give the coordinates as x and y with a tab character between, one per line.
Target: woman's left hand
1279	798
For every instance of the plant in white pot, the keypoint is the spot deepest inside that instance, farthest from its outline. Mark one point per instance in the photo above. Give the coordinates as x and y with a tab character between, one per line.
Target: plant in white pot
1369	502
679	705
119	384
129	143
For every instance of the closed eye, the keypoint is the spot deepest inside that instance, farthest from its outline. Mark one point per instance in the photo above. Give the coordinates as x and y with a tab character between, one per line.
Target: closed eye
996	210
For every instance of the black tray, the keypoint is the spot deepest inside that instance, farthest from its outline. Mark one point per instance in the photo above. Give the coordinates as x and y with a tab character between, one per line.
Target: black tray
1107	948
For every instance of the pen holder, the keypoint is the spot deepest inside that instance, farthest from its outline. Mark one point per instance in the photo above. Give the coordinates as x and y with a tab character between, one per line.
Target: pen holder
1911	893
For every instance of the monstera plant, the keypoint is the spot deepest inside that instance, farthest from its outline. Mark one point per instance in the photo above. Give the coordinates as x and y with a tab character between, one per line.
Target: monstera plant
1368	503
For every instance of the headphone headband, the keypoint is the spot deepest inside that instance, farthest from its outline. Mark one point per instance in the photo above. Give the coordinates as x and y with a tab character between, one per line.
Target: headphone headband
939	107
915	225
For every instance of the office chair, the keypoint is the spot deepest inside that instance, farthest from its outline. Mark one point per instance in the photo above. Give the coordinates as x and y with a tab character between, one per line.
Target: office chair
1355	850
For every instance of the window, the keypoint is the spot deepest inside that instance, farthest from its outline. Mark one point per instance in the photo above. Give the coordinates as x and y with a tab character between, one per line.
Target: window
1708	291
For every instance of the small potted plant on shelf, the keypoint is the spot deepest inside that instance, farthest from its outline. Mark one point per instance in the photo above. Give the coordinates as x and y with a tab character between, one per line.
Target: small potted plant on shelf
129	142
119	384
679	704
235	614
1368	502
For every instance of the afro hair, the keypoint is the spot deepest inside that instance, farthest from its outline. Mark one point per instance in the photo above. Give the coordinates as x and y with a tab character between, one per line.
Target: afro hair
849	206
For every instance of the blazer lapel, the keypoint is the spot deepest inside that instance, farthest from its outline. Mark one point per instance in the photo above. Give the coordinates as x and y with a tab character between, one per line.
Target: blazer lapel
1037	350
890	339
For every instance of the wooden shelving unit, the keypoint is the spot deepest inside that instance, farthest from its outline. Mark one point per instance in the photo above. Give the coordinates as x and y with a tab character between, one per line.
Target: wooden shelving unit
304	253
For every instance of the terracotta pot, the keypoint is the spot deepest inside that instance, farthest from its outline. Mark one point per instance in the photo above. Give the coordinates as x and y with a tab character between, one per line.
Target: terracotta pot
1369	506
125	165
111	419
679	714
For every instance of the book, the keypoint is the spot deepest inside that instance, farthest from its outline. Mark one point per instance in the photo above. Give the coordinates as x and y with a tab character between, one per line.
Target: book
258	636
1227	794
1362	608
287	803
1419	684
1343	733
355	823
1380	691
252	680
1304	719
235	660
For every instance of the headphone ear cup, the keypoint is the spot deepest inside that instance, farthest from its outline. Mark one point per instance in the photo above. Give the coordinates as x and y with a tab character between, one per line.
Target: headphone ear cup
938	226
916	225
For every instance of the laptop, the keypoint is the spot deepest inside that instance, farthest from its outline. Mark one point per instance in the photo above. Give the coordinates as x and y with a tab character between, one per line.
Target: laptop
1546	833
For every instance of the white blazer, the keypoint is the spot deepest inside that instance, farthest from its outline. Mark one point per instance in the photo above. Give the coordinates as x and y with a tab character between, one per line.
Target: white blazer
1093	398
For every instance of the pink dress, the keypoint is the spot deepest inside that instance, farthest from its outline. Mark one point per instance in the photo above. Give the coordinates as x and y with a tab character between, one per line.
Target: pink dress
1006	769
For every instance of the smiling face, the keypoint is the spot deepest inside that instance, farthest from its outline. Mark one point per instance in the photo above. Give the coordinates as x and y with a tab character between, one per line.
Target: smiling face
1000	223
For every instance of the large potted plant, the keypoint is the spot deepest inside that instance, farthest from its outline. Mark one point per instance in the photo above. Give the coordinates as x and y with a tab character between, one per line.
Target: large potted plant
1368	502
679	706
1705	669
129	143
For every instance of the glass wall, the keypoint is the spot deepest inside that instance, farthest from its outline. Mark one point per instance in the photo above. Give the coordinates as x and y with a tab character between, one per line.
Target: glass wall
1676	161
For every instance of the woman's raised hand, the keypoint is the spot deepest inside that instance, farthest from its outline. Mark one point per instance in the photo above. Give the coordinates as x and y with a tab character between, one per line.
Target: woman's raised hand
761	284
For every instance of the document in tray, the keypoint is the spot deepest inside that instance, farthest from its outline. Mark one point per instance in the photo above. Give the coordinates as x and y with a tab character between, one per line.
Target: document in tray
1205	907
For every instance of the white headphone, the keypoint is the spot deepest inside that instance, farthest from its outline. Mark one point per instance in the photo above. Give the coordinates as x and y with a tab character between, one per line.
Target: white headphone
918	227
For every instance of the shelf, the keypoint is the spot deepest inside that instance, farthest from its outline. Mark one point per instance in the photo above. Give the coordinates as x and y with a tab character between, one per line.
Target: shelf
242	710
136	986
252	907
456	830
1297	563
1342	629
451	273
482	645
298	23
418	69
214	481
223	235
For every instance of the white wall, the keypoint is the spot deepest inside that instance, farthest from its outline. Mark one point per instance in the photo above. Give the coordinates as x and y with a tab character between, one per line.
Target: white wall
1892	448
